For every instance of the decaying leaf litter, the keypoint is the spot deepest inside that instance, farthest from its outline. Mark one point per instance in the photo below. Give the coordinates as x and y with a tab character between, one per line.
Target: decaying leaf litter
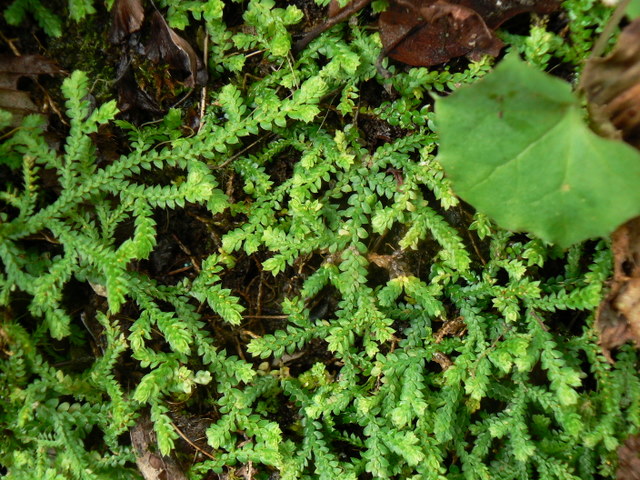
402	37
162	47
12	70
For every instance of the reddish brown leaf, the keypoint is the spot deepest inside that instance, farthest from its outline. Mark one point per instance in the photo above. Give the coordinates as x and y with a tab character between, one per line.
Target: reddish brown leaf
128	16
167	46
626	250
627	303
618	317
612	86
424	33
428	32
496	12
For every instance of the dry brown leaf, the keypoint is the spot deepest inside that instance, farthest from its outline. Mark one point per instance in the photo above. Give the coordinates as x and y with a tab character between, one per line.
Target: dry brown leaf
618	316
18	103
612	87
128	16
428	33
167	46
425	33
627	303
12	69
395	264
496	12
132	98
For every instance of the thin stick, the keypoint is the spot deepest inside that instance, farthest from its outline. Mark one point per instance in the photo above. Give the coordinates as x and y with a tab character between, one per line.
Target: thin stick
539	320
203	94
266	317
184	437
351	8
232	158
9	42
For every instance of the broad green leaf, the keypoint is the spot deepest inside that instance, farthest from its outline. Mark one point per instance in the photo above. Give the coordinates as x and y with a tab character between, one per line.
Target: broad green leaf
515	146
633	10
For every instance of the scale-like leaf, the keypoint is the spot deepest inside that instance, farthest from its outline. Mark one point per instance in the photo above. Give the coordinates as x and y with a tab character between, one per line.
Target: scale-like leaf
516	147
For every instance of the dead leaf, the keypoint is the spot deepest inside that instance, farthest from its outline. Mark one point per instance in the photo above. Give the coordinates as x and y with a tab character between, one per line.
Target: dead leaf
152	465
144	96
626	250
496	12
18	103
395	264
627	303
618	316
612	87
167	46
425	33
132	98
128	16
12	69
453	328
629	459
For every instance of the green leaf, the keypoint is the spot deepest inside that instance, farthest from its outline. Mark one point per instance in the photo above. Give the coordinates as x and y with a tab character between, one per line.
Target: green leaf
165	433
516	147
633	9
78	9
5	119
50	23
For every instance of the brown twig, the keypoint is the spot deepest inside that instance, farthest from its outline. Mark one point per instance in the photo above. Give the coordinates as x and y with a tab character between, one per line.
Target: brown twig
203	94
539	320
351	8
236	155
184	437
9	42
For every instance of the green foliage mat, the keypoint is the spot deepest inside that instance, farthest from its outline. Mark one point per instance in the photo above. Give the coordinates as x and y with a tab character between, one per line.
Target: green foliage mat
390	332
